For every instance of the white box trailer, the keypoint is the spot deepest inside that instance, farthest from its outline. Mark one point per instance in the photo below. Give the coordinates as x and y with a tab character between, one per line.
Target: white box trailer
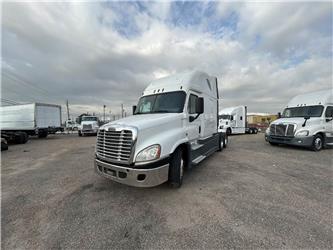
33	119
234	121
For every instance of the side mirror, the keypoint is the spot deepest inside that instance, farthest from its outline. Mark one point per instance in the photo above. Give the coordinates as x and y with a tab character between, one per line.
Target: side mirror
133	109
200	106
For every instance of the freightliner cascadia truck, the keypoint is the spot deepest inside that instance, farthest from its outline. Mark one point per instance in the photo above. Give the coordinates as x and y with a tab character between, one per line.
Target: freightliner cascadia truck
174	126
307	121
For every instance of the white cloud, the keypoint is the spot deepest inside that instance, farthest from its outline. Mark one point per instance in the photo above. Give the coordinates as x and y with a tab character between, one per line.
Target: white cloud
76	53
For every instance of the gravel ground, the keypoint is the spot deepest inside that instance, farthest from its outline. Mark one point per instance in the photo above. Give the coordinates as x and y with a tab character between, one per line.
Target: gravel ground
251	195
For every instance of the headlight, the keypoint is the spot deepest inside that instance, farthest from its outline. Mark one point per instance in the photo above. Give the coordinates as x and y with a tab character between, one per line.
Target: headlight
267	132
302	133
150	153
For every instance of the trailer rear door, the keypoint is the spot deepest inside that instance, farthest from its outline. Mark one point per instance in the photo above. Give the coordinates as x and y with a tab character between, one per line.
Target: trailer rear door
48	115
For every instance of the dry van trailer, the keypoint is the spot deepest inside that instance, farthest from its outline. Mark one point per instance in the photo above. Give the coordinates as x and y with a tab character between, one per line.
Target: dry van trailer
38	119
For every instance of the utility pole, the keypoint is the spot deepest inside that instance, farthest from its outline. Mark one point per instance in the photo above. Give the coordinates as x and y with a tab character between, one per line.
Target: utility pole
67	109
104	106
122	110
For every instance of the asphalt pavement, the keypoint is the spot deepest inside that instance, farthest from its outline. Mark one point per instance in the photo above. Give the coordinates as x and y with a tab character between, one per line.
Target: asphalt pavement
250	195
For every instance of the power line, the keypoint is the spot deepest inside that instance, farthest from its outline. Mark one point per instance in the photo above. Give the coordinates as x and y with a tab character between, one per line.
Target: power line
18	79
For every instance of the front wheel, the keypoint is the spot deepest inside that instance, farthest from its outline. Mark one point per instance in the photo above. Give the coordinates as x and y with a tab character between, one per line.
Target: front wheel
317	143
80	134
176	169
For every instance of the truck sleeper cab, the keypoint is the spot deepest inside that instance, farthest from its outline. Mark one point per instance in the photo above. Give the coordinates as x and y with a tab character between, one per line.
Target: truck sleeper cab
234	121
174	126
306	121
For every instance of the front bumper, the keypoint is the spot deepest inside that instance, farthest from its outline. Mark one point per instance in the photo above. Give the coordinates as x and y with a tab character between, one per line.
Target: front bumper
137	177
90	131
305	141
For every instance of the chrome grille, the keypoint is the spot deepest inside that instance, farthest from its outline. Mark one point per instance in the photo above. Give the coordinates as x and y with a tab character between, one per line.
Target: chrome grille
86	127
282	129
115	146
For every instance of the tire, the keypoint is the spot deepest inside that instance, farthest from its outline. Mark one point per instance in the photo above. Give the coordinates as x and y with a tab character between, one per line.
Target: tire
4	146
256	131
42	134
24	138
229	131
273	143
176	168
317	143
20	138
221	143
80	134
225	138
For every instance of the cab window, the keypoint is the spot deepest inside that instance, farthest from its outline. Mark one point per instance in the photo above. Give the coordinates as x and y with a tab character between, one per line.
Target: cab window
329	111
192	102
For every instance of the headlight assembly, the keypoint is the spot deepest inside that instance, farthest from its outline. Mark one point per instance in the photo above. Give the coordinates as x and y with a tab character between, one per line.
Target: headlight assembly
267	132
149	153
302	133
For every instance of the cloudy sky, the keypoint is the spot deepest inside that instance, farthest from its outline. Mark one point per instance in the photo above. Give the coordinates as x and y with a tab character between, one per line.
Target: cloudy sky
99	53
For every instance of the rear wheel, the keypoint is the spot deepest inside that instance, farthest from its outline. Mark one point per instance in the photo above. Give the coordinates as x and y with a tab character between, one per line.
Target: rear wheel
317	143
80	134
225	138
221	143
42	134
229	131
176	168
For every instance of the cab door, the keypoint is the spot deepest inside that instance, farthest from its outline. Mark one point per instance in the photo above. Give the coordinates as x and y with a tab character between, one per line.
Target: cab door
194	122
328	125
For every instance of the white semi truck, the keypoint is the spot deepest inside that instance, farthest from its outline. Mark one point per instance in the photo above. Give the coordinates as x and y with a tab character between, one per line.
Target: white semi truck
234	121
174	126
18	121
306	121
89	125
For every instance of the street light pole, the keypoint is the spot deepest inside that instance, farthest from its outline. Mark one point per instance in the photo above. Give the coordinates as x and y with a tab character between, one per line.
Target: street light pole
104	106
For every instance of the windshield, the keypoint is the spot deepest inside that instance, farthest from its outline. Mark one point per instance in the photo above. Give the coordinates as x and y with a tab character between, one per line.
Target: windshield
171	102
310	111
89	118
225	117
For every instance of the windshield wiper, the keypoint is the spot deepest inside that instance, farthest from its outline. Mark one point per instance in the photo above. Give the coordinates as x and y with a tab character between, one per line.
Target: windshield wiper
305	120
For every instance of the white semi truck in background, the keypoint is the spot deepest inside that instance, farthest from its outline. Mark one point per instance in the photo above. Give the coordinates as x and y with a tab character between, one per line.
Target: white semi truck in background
306	121
234	121
89	125
19	121
175	126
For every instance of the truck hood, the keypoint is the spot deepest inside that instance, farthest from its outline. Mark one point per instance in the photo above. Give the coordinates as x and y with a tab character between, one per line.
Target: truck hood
145	121
299	121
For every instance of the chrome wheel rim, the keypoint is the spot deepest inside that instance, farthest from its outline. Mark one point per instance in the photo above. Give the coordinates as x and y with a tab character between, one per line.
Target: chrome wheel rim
318	143
181	168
